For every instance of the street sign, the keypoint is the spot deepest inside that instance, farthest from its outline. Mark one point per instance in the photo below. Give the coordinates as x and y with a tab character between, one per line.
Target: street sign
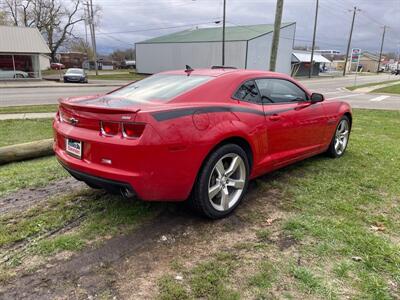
355	55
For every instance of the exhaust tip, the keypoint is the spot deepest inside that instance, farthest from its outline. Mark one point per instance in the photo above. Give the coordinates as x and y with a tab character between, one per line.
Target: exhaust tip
127	193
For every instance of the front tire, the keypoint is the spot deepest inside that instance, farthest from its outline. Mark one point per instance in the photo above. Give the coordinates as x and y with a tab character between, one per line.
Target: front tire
222	182
340	139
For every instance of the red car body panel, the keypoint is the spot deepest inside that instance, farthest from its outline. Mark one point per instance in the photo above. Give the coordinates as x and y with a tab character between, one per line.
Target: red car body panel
162	164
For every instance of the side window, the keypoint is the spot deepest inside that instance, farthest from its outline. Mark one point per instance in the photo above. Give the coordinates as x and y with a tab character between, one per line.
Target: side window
248	92
279	91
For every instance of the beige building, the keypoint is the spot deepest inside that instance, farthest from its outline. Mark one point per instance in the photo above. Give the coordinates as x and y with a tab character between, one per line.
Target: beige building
21	53
368	63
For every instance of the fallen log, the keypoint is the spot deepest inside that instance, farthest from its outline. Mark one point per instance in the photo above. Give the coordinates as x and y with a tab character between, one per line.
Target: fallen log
26	151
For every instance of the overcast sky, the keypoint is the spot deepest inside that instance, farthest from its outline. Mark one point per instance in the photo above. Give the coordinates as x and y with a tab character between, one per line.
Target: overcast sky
125	22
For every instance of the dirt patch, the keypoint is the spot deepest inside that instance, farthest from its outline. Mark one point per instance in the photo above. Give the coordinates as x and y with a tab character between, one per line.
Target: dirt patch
128	266
284	242
27	198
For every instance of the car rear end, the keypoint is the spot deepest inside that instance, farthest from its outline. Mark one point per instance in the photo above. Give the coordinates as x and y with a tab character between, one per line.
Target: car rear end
116	143
105	147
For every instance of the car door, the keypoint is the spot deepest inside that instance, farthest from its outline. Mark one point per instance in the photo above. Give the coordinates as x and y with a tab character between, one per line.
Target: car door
295	126
250	101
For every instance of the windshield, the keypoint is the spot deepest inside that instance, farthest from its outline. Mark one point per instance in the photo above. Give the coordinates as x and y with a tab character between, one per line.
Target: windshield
75	71
160	87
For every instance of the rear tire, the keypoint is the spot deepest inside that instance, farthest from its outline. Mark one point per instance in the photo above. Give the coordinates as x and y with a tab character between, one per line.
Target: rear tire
340	138
221	183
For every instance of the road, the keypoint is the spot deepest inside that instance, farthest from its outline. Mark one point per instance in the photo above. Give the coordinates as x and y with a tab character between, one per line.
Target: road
332	88
49	95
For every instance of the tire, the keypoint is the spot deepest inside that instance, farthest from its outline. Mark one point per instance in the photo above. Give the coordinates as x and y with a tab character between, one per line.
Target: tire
337	148
216	182
19	76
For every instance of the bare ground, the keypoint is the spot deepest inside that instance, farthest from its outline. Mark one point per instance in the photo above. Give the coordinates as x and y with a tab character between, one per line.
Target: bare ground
128	266
27	198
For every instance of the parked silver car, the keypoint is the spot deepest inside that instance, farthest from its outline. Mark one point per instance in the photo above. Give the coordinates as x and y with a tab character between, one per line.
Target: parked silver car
8	74
75	75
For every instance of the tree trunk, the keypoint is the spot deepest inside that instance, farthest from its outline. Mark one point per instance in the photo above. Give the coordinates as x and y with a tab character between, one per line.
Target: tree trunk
26	151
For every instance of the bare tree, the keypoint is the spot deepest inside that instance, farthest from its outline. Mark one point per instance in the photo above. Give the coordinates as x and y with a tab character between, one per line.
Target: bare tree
3	18
55	19
80	45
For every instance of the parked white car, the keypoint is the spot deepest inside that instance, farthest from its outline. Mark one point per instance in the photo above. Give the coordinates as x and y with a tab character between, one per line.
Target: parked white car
7	74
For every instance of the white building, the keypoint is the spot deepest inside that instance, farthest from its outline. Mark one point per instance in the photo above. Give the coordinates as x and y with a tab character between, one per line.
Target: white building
246	47
20	52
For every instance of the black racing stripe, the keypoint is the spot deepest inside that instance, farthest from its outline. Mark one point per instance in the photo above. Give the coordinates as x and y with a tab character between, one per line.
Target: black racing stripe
272	112
182	112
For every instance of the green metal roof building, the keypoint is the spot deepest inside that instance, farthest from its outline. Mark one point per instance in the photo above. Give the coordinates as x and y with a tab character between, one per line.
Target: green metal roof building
246	47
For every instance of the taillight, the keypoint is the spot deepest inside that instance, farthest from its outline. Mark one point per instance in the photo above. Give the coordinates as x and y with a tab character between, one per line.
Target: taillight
109	128
61	115
132	130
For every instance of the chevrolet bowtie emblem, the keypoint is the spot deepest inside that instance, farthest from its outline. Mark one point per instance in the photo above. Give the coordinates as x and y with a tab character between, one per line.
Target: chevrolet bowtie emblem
73	121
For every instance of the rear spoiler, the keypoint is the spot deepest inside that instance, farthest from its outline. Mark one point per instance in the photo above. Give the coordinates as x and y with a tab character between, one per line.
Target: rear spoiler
97	109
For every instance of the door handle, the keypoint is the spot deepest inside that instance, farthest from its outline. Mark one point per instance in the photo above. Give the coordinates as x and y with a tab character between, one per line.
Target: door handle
275	117
302	105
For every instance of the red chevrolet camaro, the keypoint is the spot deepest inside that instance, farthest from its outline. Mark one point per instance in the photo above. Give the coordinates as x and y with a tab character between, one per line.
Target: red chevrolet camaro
196	134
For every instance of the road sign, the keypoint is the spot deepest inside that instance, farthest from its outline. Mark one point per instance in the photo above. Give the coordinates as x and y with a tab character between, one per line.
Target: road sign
355	55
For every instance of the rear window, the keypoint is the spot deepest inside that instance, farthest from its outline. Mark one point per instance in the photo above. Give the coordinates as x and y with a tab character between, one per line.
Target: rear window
75	71
160	87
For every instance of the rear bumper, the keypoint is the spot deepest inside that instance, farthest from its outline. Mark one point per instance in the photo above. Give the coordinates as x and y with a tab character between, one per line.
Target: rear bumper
148	167
112	186
69	79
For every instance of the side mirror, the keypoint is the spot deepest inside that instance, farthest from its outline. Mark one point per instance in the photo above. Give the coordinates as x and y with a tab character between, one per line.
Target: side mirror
317	97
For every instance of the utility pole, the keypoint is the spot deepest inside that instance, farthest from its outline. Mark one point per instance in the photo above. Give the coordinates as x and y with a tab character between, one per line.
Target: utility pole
380	53
313	40
275	37
93	34
349	43
86	24
223	34
16	13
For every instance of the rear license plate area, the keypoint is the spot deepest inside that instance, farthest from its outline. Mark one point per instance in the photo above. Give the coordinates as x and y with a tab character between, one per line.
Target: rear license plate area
73	147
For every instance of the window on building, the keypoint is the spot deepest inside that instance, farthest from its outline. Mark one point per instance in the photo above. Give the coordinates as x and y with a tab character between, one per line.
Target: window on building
19	66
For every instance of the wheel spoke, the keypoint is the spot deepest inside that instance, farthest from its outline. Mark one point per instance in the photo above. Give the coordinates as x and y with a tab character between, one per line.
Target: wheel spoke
233	166
337	142
341	145
236	183
214	190
220	168
340	127
225	198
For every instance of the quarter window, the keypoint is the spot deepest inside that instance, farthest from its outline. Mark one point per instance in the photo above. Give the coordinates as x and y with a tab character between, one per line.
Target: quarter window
279	91
248	91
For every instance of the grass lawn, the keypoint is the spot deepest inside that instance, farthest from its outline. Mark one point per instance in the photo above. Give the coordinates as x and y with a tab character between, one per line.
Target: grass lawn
394	89
52	72
29	109
119	76
352	87
344	216
341	217
29	174
22	131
